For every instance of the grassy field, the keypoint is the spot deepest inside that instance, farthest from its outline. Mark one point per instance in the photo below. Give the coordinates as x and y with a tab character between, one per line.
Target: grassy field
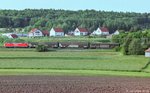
67	61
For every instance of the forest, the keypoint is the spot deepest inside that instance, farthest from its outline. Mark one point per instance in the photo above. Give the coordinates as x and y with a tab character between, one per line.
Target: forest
45	19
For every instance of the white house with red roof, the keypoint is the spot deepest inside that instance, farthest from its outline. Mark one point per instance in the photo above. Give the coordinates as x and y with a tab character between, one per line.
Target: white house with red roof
81	32
10	35
101	31
35	33
56	32
147	52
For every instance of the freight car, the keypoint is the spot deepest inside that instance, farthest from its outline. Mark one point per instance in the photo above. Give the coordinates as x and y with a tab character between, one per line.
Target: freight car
73	44
103	45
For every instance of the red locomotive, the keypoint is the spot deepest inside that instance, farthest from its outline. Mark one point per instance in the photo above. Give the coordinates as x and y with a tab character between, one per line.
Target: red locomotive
16	45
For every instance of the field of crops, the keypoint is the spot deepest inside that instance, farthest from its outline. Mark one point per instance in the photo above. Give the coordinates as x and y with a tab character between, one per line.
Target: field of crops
70	60
64	39
73	84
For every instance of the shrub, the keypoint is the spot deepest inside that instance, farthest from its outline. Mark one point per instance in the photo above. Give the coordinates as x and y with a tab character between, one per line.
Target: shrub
41	48
124	51
117	48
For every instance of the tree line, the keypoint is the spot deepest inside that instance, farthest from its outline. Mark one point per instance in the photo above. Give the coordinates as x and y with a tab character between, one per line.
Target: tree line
45	19
132	43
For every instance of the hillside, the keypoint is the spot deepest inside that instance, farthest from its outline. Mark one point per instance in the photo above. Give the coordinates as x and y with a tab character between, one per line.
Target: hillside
47	18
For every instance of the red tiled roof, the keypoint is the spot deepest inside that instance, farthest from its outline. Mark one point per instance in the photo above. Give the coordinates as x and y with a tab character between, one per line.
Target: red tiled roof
104	29
33	30
148	50
82	29
14	36
58	30
45	32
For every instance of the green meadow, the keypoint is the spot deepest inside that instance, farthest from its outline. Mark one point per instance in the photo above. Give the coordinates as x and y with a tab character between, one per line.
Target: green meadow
71	62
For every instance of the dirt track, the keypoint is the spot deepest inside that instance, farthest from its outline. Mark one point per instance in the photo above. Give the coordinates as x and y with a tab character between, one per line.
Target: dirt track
63	84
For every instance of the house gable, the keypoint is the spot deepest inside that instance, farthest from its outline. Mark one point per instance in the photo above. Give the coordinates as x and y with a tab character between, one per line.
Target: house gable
56	32
35	33
77	32
80	32
101	31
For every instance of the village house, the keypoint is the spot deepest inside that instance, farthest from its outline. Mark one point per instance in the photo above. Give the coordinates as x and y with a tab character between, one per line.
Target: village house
80	32
147	53
35	33
116	32
45	33
21	34
56	32
10	35
101	31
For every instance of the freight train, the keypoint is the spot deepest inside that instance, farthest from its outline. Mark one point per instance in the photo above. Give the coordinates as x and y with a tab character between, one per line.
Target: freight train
84	45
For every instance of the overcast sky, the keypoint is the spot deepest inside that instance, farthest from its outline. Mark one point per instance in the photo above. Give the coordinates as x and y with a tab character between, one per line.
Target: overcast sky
107	5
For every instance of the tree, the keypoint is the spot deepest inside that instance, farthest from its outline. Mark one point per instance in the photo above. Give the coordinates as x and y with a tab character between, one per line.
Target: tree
125	45
40	23
135	47
49	25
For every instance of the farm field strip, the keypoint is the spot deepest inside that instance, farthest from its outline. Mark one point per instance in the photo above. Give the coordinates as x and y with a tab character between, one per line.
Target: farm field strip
59	53
103	64
71	72
73	84
68	39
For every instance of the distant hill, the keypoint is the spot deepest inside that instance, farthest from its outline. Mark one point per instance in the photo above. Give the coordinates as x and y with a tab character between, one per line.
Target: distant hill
47	18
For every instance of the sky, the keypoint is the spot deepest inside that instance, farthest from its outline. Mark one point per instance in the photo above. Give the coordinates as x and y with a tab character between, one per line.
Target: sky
140	6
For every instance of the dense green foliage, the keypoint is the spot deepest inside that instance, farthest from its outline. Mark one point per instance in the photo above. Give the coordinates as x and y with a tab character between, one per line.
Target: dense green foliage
125	46
134	43
69	20
41	48
135	47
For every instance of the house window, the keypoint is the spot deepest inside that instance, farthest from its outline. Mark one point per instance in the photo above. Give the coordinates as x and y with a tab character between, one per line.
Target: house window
77	31
37	33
